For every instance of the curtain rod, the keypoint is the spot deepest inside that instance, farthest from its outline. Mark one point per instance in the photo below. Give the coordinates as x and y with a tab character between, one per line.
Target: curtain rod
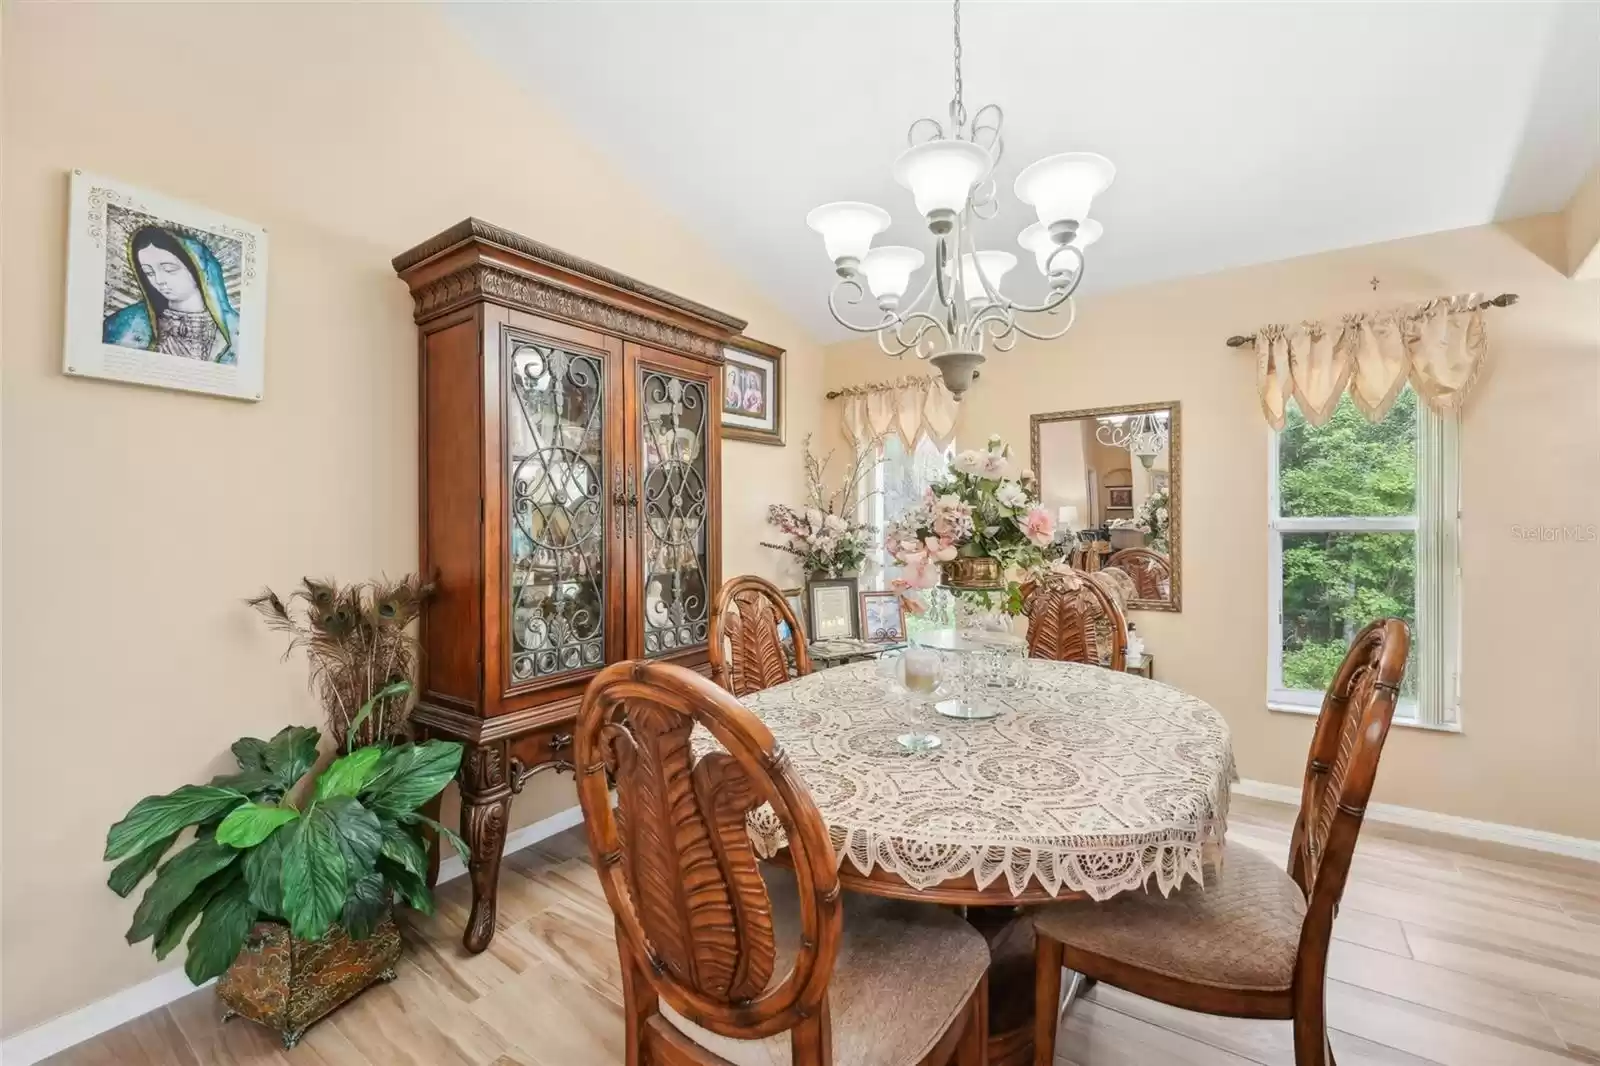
1505	299
886	386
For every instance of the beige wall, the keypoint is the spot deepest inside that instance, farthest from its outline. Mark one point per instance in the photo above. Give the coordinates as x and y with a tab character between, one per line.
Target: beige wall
137	520
1530	753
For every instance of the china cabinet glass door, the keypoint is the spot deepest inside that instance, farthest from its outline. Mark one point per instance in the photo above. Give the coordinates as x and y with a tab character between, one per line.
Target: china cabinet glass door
557	514
674	423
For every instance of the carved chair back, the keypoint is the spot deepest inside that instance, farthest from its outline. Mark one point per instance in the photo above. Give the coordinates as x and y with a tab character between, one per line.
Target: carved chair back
1151	571
1064	612
1351	730
694	920
746	653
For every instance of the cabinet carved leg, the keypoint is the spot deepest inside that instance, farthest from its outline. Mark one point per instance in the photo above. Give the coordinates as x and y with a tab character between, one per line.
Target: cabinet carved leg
485	810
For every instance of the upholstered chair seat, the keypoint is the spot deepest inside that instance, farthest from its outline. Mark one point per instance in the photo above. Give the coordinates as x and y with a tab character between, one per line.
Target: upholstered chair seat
1253	941
1240	932
904	973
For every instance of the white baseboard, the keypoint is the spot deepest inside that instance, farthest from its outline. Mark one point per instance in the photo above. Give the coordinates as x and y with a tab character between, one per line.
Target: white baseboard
451	866
1471	828
58	1034
85	1023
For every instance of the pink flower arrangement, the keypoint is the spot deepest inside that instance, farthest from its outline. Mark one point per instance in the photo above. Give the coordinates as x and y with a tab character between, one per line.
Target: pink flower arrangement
984	508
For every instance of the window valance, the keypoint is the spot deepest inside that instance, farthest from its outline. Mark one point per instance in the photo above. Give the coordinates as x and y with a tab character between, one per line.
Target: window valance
908	407
1438	346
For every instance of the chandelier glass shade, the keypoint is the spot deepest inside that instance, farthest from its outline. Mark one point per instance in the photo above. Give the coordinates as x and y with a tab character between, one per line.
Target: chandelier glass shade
959	309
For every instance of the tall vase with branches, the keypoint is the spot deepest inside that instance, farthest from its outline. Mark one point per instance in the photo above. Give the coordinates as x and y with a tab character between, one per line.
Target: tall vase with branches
362	647
827	534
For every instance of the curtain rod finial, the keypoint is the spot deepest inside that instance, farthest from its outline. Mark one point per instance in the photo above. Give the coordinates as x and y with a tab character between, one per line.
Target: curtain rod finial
1239	342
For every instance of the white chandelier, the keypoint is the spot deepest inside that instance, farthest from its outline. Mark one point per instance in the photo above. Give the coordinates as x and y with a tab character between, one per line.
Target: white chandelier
959	310
1144	435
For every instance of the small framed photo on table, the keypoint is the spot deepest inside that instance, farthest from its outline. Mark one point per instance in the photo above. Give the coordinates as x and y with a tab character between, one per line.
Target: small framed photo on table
796	598
883	618
831	612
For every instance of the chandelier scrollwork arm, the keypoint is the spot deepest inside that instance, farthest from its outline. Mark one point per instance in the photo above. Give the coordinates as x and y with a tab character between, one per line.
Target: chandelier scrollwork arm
853	285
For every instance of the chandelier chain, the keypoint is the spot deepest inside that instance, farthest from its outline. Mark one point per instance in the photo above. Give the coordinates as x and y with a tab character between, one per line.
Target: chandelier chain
958	109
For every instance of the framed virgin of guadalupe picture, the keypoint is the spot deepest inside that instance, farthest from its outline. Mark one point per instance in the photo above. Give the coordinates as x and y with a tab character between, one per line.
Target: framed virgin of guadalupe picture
752	392
163	293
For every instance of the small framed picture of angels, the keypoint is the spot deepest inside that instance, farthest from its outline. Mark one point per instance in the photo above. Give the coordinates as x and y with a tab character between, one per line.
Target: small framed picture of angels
163	293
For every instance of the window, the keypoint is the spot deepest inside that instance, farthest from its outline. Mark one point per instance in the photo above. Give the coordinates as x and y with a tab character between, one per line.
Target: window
894	486
1364	524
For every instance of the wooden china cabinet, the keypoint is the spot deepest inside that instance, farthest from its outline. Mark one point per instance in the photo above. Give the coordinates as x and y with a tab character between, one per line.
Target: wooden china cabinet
569	501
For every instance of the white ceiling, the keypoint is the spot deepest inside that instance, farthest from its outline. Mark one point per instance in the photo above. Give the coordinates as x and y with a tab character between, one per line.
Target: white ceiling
1242	133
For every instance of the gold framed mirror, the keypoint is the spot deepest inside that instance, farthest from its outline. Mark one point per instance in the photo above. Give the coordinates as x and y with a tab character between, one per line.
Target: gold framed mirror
1114	477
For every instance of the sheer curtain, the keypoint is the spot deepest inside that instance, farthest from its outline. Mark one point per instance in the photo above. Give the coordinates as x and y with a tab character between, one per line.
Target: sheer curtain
897	483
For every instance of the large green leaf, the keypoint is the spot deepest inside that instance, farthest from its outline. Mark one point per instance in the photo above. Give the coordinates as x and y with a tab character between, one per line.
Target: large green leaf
443	830
292	752
251	823
364	906
252	782
157	817
348	775
251	753
410	887
410	775
358	832
178	877
182	918
394	688
263	872
402	845
221	932
130	871
314	879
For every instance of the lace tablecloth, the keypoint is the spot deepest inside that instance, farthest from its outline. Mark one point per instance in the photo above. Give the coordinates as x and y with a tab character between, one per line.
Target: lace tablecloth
1088	781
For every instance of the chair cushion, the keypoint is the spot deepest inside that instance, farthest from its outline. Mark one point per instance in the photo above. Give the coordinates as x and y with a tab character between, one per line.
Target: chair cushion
1240	932
903	974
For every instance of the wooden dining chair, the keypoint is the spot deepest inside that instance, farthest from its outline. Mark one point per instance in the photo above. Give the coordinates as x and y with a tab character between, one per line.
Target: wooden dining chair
1151	571
1072	618
746	652
721	966
1253	943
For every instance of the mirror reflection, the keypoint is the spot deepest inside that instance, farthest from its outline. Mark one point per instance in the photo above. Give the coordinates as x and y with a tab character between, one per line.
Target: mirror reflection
1110	476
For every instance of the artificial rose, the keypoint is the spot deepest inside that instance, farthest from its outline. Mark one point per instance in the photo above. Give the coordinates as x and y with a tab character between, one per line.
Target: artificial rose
973	463
1010	494
833	523
1038	526
997	465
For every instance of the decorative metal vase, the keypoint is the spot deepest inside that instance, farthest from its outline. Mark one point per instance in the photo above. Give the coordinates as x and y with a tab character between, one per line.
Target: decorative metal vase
287	984
972	572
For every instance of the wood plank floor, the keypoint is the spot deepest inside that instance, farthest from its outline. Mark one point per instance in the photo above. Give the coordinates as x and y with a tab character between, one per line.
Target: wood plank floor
1447	952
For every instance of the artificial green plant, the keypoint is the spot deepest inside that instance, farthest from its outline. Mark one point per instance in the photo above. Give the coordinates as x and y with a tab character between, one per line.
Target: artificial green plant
274	842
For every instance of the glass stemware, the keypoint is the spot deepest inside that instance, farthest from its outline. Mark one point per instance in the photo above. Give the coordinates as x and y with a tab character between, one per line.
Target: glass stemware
921	670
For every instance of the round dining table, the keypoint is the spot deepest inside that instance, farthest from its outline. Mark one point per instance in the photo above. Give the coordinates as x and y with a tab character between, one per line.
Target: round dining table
1085	783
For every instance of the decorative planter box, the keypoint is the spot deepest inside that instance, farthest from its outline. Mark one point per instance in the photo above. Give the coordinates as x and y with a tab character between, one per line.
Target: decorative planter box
286	984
